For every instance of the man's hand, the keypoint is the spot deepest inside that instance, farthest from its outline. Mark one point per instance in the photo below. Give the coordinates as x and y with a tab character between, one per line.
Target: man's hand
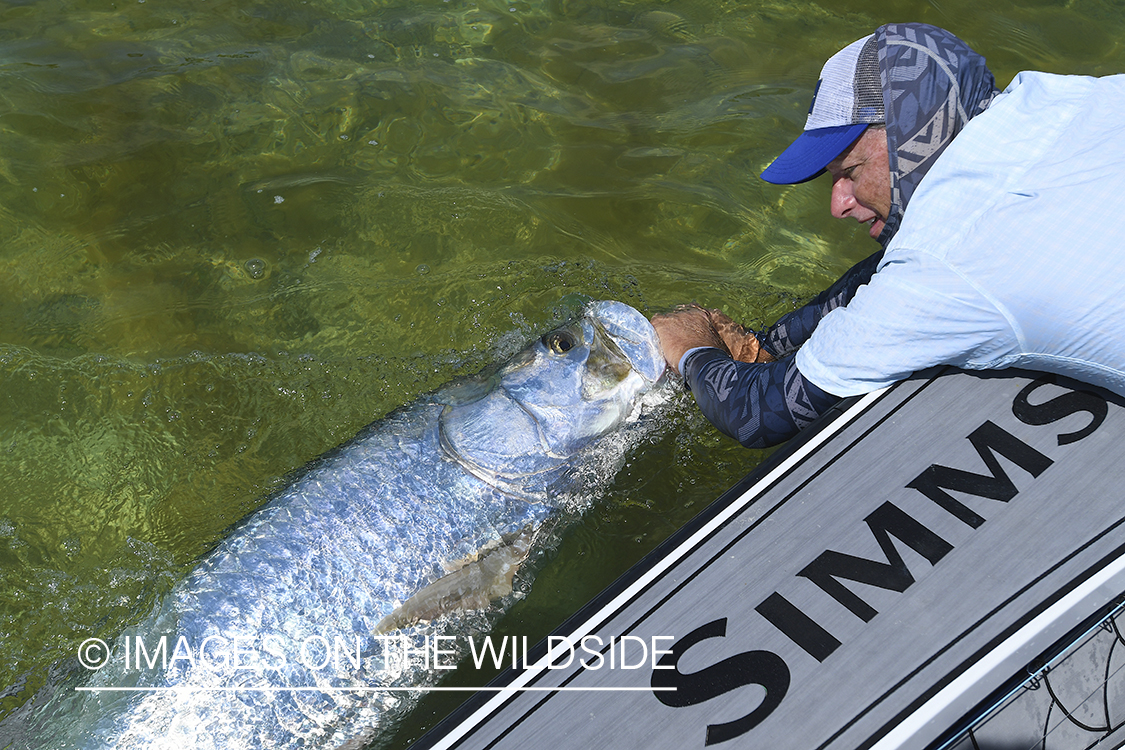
741	342
686	327
690	326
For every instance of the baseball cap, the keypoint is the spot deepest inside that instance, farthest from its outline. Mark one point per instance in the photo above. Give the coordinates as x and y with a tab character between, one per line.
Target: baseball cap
848	97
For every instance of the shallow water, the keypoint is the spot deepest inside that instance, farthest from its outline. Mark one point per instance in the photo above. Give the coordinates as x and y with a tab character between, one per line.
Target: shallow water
234	233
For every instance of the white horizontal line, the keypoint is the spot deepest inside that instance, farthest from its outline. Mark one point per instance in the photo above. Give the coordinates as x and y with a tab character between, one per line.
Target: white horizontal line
366	689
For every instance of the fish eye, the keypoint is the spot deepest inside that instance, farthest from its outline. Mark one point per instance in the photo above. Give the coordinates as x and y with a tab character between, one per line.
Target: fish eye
559	342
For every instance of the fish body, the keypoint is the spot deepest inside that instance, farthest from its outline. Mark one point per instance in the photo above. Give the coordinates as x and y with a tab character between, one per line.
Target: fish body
275	637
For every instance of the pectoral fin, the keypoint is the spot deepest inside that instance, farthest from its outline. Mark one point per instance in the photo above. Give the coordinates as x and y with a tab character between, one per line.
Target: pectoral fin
471	586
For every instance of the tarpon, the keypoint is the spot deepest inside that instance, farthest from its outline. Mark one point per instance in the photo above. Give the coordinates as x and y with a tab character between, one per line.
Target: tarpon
277	636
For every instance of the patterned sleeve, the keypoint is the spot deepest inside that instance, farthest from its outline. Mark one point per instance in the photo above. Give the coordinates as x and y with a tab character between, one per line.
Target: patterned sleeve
758	405
793	329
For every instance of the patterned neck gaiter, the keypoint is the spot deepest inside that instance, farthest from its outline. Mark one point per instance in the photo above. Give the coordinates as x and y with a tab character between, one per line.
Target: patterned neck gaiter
933	84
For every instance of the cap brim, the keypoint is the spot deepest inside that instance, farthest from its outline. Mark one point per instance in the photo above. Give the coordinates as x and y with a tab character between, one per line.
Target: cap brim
807	156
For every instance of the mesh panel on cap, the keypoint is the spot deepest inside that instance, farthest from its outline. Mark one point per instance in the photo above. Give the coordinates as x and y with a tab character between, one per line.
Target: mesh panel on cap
868	90
849	91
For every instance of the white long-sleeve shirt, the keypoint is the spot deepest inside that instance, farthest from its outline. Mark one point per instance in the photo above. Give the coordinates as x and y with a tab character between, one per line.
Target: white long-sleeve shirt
1011	254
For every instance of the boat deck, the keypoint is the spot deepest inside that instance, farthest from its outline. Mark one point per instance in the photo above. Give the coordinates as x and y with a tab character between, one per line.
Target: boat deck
884	581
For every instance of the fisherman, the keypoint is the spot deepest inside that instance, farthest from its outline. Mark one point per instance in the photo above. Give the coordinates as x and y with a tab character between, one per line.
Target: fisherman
1010	253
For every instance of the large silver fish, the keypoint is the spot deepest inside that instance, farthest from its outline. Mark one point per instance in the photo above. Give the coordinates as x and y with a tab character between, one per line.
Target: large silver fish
425	513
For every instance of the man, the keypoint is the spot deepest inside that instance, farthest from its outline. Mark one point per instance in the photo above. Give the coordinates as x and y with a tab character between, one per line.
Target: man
1012	252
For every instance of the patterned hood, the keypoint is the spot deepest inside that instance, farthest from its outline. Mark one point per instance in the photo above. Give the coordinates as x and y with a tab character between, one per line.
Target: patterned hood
933	84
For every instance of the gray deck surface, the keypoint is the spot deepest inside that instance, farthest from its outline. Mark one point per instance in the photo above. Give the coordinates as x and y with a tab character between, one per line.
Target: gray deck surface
860	580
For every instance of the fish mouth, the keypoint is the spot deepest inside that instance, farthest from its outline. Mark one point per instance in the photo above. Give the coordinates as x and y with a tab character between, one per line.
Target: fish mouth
627	341
607	365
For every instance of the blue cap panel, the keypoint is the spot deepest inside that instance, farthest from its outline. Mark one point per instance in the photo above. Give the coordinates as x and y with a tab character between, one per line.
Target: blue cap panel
807	156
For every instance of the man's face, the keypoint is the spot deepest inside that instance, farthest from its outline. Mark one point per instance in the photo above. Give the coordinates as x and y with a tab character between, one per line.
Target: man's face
861	181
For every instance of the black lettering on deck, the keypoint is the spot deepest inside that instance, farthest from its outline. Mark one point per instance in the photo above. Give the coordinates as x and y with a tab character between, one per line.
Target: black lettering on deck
797	626
768	669
885	521
1059	407
989	437
763	668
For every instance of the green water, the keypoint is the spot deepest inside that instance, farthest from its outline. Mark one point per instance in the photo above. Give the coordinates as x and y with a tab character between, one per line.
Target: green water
235	232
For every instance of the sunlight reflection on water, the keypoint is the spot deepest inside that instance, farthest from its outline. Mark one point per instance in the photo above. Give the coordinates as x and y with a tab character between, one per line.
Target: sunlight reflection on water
234	234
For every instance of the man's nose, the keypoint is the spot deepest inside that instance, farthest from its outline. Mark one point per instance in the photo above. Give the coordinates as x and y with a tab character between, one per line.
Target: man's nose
843	198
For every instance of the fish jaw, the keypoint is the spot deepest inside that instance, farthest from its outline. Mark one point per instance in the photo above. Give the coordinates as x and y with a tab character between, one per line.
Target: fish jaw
633	335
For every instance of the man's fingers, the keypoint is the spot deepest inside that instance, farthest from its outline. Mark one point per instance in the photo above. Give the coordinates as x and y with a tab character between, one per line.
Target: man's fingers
742	343
684	328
